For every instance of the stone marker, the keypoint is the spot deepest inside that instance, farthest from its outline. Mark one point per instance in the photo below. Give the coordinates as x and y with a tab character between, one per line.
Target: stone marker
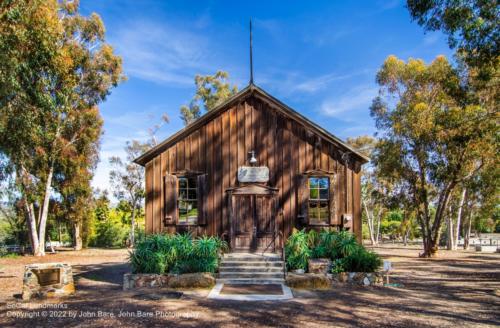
47	280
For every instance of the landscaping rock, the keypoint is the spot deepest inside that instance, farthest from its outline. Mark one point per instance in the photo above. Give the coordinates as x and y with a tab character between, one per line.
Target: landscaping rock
319	265
308	281
360	278
192	280
132	281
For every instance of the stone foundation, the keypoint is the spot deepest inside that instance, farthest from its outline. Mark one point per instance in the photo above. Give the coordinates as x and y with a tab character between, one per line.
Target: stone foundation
188	280
360	278
47	280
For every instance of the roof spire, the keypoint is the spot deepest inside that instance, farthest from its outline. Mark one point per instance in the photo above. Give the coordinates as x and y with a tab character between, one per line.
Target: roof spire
251	54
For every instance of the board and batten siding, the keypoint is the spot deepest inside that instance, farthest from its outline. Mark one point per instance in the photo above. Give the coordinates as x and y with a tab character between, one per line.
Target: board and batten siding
222	145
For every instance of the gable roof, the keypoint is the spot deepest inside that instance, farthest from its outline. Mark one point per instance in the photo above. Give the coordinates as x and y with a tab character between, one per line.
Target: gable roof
248	91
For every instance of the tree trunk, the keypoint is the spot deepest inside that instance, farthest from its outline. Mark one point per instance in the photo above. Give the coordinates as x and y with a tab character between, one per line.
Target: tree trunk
450	232
431	237
44	213
369	220
77	236
468	231
459	218
132	227
59	231
32	227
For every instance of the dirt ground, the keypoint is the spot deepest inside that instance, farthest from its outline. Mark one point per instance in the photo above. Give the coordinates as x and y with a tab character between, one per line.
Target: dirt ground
457	289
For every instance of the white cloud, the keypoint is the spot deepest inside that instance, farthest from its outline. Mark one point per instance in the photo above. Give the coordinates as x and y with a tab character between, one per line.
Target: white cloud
288	82
354	100
431	38
160	53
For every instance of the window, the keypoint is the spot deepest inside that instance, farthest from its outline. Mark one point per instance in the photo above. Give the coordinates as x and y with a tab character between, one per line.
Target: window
188	200
318	210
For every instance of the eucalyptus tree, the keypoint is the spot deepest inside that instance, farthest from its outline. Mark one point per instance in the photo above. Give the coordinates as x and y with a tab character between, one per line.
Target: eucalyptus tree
55	68
211	90
433	137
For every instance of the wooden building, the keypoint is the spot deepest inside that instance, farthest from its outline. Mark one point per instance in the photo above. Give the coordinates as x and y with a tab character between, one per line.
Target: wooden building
250	171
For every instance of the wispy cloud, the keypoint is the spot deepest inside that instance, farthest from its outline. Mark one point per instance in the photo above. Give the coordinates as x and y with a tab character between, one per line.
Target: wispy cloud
289	82
353	101
161	53
431	38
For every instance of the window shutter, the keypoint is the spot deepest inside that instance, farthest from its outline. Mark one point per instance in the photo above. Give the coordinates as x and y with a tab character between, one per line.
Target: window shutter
170	201
303	199
331	201
202	199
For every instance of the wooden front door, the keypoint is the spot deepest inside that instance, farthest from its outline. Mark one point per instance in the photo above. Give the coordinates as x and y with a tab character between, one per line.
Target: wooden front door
253	225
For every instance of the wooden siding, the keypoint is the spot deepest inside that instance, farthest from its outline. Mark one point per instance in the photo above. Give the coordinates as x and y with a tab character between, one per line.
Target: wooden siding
221	145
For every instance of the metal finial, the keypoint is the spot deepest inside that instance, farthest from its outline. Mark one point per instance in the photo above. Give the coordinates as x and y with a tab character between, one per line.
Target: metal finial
251	54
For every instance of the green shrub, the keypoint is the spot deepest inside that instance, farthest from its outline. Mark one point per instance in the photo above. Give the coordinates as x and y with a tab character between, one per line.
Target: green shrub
109	233
178	253
297	250
340	247
4	253
338	266
361	260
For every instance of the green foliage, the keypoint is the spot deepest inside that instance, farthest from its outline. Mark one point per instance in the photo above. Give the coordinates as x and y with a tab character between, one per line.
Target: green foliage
178	253
55	68
472	26
4	253
361	260
435	134
297	250
338	266
211	91
341	247
110	232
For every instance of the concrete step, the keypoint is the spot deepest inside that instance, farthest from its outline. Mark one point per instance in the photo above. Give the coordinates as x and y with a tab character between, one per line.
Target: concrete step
244	268
250	281
232	263
252	259
252	275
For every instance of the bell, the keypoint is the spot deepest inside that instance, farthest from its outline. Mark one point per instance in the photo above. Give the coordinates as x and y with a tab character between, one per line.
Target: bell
253	160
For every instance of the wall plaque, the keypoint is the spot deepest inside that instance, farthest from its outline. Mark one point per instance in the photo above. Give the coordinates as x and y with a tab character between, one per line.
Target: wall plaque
253	174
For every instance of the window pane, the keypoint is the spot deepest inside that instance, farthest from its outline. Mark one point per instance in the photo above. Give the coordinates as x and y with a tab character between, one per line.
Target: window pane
313	182
192	194
313	211
323	183
188	200
323	211
323	194
182	211
192	214
192	182
314	193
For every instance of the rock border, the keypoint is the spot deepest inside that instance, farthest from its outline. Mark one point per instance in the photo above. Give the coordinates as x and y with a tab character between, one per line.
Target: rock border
151	280
360	278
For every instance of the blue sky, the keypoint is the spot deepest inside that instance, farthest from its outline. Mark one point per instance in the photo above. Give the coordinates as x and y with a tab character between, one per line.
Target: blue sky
319	57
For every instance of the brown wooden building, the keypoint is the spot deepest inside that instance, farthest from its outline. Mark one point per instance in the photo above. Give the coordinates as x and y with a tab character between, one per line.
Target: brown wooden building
250	171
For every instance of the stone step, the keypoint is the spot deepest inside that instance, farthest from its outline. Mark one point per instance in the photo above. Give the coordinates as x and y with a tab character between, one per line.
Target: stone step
244	268
253	256
253	259
251	281
226	263
253	275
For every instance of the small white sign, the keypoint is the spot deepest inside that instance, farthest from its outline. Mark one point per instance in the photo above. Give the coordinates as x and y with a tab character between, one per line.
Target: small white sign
253	174
387	266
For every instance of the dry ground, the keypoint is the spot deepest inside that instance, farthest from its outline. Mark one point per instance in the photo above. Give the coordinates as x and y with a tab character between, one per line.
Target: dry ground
459	289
